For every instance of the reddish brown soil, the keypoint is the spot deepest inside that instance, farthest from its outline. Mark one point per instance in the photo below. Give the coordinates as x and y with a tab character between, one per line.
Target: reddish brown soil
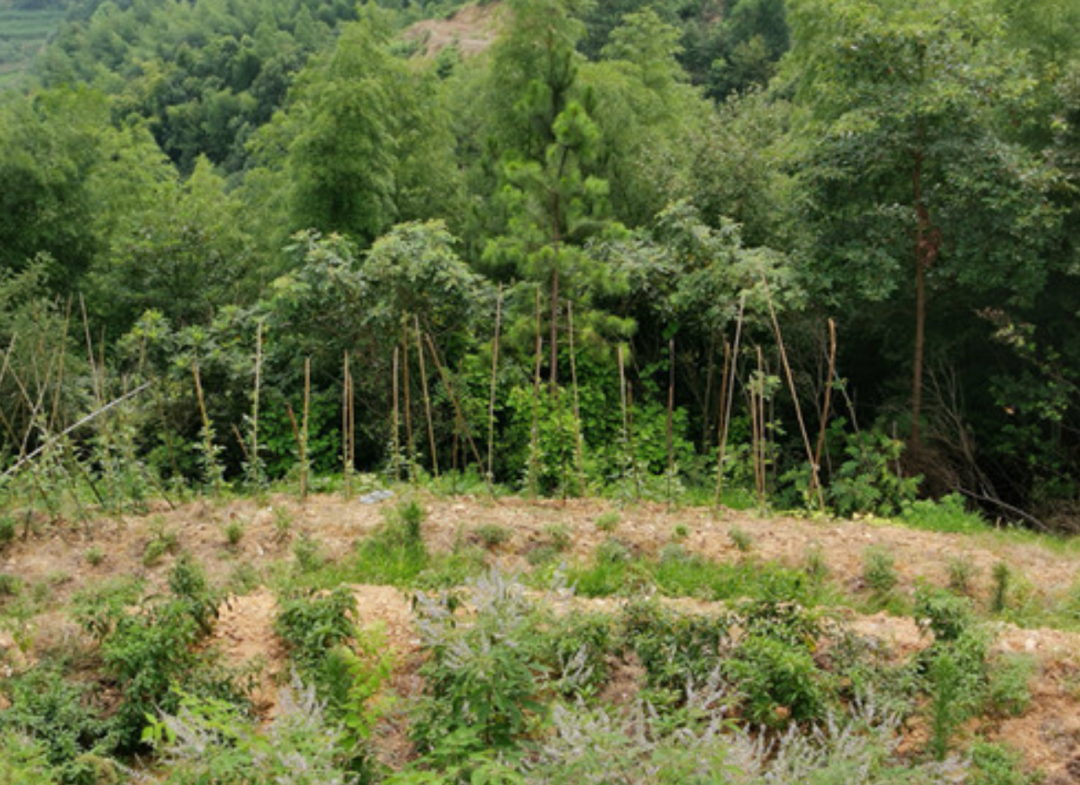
471	29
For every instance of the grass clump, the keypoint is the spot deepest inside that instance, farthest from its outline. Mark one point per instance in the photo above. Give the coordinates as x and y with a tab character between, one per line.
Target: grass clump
7	531
948	514
740	538
234	533
491	535
608	521
962	575
999	593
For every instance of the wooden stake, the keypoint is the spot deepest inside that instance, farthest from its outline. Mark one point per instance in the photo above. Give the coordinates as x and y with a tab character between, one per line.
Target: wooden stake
396	423
762	430
534	440
670	416
814	483
427	401
208	445
491	399
726	417
622	400
579	450
410	451
457	404
253	459
828	398
346	427
633	452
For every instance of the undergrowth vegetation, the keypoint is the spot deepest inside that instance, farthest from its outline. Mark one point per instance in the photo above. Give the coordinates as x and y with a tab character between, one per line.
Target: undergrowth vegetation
691	671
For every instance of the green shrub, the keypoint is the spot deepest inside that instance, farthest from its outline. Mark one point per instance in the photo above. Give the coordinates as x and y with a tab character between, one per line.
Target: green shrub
481	677
150	653
879	570
947	615
962	573
675	649
300	746
411	514
995	764
866	482
780	682
7	531
574	649
10	585
312	624
948	514
187	582
71	735
1009	692
23	761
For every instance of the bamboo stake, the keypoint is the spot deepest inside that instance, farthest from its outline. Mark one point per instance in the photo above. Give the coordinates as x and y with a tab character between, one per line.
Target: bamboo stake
253	459
633	452
579	450
427	401
726	420
208	443
622	400
346	454
534	439
457	404
396	422
762	431
814	483
410	445
491	399
304	431
670	416
828	396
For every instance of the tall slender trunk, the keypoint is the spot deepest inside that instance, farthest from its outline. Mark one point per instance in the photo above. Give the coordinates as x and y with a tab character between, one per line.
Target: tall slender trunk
922	257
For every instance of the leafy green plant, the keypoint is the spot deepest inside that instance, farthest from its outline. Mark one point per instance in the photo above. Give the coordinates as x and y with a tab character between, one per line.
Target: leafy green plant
301	745
879	570
995	764
947	615
72	736
1009	691
312	624
309	554
161	542
188	583
10	585
962	574
482	674
680	532
94	556
23	761
675	649
867	482
7	531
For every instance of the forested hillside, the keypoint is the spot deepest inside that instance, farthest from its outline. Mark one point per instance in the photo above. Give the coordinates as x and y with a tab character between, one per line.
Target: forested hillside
828	247
540	392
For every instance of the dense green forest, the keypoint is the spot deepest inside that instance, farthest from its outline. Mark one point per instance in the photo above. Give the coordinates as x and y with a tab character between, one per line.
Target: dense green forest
827	246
